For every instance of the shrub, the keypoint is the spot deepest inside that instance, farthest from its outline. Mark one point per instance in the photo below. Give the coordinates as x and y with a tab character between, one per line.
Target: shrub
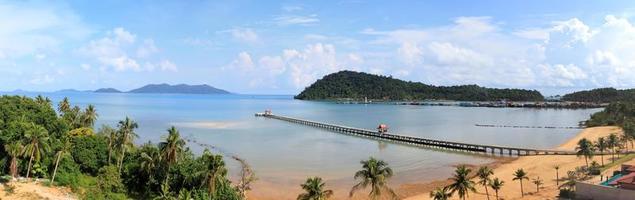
566	193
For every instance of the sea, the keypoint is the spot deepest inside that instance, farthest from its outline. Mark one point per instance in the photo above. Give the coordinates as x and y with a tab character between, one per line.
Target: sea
285	154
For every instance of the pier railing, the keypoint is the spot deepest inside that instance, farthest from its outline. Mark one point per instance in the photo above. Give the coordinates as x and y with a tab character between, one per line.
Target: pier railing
458	146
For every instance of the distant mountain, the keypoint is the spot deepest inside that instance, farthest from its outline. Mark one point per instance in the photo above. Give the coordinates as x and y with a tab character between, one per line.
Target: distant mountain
179	89
70	91
601	95
359	85
107	90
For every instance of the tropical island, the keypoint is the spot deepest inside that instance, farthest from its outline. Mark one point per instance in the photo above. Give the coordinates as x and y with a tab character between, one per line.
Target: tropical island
169	89
360	85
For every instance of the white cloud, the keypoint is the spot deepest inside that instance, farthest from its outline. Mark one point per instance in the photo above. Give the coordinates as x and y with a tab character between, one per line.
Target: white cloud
245	35
293	68
42	79
85	66
292	8
286	20
147	49
167	65
410	53
29	27
120	51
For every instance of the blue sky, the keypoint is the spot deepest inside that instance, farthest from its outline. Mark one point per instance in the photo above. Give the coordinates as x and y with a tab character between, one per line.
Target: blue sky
280	47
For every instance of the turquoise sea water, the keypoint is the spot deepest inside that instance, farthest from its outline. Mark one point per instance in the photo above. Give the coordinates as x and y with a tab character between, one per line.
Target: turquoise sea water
286	154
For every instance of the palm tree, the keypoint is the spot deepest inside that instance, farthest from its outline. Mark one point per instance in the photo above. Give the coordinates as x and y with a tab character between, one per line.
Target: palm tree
538	182
314	190
585	149
213	172
37	144
557	168
14	150
375	173
172	147
90	116
165	192
496	185
65	149
483	175
613	142
519	175
461	182
64	106
570	180
111	134
126	137
149	162
43	100
601	145
441	194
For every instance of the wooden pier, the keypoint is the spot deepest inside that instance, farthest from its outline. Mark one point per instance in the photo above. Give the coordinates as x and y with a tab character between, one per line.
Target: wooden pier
458	146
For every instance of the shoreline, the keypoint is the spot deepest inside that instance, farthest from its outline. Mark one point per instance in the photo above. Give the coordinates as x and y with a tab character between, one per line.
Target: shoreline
536	166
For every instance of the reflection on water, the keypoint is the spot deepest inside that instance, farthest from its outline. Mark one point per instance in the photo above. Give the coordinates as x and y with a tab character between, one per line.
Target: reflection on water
288	153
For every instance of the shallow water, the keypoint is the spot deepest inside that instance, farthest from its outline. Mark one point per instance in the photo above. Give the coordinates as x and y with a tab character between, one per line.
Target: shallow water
282	152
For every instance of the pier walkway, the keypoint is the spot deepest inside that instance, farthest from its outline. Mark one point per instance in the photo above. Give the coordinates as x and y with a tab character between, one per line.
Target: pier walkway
458	146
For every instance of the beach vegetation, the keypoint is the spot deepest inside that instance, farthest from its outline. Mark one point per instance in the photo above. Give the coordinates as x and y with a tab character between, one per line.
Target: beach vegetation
315	189
374	174
461	182
520	175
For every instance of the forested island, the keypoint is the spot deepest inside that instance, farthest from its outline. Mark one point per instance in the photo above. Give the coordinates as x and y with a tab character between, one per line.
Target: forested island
601	95
360	85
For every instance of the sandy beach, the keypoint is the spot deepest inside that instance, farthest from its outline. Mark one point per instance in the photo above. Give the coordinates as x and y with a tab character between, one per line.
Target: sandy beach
536	166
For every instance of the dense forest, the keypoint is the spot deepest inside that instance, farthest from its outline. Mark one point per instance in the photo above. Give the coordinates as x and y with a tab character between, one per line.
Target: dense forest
601	95
62	148
359	85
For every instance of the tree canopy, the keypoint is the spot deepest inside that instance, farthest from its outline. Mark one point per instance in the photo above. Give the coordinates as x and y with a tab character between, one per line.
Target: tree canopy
360	85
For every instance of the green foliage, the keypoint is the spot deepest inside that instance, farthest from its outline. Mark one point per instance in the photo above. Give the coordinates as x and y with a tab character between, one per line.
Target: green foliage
90	152
358	85
461	182
83	131
601	95
68	173
374	174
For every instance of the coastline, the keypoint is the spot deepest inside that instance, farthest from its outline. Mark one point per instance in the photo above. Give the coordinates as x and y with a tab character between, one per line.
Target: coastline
536	166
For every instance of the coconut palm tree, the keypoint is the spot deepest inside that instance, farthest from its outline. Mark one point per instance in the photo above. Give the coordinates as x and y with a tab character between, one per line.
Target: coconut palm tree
43	100
461	182
569	180
126	137
538	182
149	162
585	149
314	190
443	193
613	142
64	149
483	175
14	150
213	172
375	173
601	145
37	144
519	175
64	106
89	117
112	136
172	147
496	185
557	168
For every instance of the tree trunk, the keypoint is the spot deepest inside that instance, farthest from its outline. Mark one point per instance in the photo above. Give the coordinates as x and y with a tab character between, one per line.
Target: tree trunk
123	153
486	192
28	172
13	168
602	157
109	150
496	194
557	179
57	163
586	161
522	193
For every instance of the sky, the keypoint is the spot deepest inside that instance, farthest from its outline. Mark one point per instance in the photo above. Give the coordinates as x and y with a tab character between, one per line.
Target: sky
281	47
